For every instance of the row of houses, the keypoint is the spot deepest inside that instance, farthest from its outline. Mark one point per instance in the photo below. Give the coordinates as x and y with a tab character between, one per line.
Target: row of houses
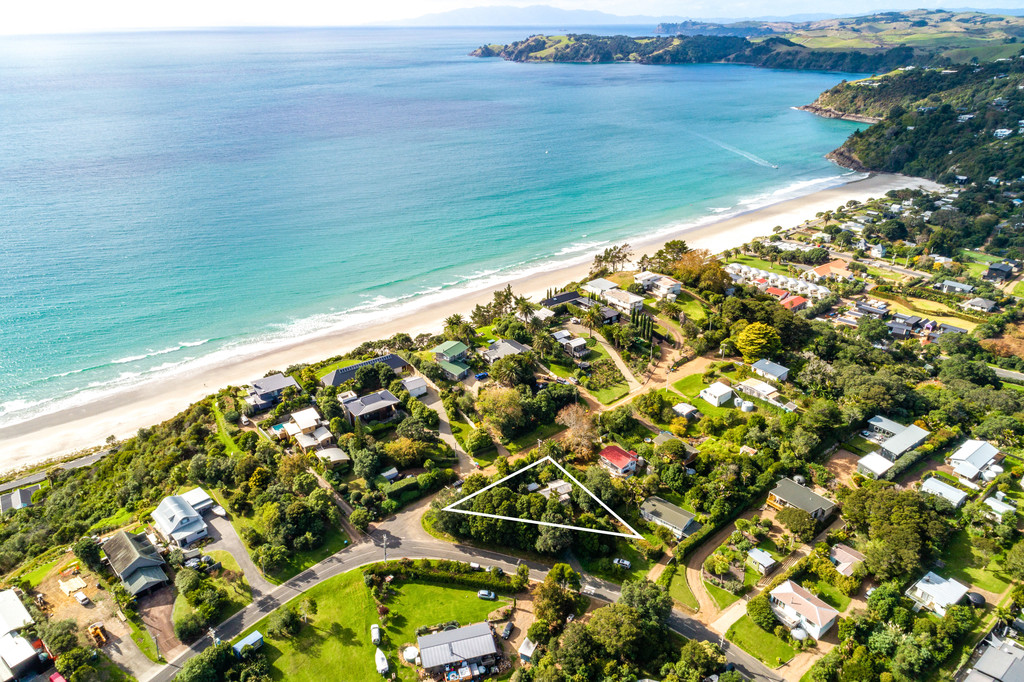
774	284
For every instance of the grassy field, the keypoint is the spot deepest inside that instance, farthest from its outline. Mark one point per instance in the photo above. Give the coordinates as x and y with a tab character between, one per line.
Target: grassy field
754	262
955	321
324	371
693	308
335	540
140	635
690	387
542	432
337	638
639	567
832	596
37	574
680	590
239	592
222	430
762	645
722	598
769	546
966	564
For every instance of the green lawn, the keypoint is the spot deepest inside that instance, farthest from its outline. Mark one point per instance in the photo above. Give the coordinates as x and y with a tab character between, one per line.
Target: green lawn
337	638
607	396
324	371
690	387
769	546
762	645
680	590
832	596
860	445
122	517
239	592
222	430
140	635
722	598
755	262
36	575
623	550
542	432
693	308
964	563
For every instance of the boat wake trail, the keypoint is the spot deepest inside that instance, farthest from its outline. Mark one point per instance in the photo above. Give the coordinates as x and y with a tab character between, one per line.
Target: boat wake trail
739	152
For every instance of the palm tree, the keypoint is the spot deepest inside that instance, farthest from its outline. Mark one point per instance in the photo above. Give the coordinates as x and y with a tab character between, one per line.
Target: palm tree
543	344
593	319
524	308
453	322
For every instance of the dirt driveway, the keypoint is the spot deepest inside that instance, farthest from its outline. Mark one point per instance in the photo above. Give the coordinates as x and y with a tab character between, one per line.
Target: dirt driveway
843	465
156	609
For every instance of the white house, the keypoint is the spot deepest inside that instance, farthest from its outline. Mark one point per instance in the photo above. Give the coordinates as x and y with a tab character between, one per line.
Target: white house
503	348
934	486
576	347
972	458
798	608
599	286
623	300
874	465
717	394
937	594
645	279
758	389
558	489
664	287
770	370
178	522
416	386
681	522
762	560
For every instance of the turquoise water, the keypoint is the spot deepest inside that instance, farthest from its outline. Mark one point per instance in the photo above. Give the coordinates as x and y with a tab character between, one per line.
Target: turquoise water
171	198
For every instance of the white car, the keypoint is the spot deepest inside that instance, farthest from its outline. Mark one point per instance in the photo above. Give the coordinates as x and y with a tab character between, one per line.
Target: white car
375	633
82	598
624	563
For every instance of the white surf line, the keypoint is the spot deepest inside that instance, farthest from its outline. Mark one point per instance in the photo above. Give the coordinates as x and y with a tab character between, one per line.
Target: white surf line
635	535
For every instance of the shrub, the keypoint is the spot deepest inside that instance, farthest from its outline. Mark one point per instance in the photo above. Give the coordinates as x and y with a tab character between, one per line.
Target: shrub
360	518
187	580
760	611
283	623
189	627
478	441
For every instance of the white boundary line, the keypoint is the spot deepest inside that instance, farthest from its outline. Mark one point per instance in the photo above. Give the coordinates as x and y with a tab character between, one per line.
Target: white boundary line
634	536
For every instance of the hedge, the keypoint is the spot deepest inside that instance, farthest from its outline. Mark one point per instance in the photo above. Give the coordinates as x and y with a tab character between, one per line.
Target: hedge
443	572
398	488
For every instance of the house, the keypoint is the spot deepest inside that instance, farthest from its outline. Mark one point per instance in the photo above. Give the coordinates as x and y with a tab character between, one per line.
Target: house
390	474
1002	133
661	286
776	292
624	300
998	272
872	309
379	406
717	394
18	656
832	270
264	393
526	650
686	410
972	458
873	465
618	461
558	489
949	286
564	298
608	315
904	441
770	370
937	594
935	486
135	561
254	639
795	303
416	386
561	336
645	279
981	305
758	389
798	608
577	348
899	331
681	522
541	314
334	458
177	522
450	351
13	614
845	558
876	250
789	493
18	499
307	428
599	286
471	645
339	376
1000	661
762	560
914	322
998	507
502	349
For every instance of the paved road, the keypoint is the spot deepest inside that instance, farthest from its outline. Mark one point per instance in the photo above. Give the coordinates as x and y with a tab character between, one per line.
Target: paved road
1008	374
225	537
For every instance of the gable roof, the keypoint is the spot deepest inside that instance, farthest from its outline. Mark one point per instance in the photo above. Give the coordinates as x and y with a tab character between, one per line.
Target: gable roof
770	368
760	557
793	301
801	497
454	646
846	558
803	602
503	349
675	516
941	591
601	284
936	487
13	614
973	456
125	550
1001	661
559	299
176	518
340	376
450	348
623	296
369	404
875	463
617	456
274	382
905	440
885	424
306	419
18	499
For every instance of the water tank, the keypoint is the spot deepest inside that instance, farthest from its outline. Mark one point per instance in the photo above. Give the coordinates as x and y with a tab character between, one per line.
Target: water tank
800	479
747	406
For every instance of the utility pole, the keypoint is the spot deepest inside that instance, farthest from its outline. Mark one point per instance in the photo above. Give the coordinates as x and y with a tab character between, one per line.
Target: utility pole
385	546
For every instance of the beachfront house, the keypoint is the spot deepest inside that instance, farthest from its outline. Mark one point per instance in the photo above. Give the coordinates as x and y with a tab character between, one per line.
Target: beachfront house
624	300
717	394
936	486
503	348
618	461
660	286
135	561
264	393
973	458
178	519
599	286
18	499
470	647
662	512
845	558
339	376
795	607
936	593
789	493
375	407
307	428
451	356
770	370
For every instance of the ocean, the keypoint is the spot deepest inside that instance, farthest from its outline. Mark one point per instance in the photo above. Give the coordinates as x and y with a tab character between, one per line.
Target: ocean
168	199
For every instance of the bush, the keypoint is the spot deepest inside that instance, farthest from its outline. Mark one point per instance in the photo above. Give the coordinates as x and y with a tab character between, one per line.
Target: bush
189	627
283	623
760	611
444	573
478	441
187	580
399	488
360	518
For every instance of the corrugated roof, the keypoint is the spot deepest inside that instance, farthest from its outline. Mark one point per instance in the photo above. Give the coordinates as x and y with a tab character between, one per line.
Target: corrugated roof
801	497
454	646
340	376
371	403
124	549
770	368
672	515
143	579
803	602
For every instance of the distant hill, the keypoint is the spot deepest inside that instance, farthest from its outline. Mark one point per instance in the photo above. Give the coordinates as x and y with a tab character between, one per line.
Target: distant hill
535	15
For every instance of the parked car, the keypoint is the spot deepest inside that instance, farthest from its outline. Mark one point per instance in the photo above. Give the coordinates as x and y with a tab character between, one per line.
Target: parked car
507	632
486	594
496	570
82	598
866	434
475	566
624	563
481	376
375	633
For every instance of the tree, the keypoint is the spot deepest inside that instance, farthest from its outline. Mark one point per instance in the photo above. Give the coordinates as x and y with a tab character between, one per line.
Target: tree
651	601
580	432
360	518
758	340
618	628
760	611
1014	561
60	635
577	650
270	556
88	552
365	463
187	580
502	408
477	441
553	603
801	524
283	622
308	608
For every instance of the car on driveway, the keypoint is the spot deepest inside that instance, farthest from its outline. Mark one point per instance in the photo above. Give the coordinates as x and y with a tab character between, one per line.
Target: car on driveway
507	632
481	376
487	594
624	563
375	633
82	598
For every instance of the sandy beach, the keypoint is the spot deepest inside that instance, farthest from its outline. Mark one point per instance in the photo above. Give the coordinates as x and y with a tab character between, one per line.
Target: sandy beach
122	414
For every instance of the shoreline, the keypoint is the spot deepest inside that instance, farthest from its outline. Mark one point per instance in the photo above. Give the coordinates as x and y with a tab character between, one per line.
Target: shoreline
121	414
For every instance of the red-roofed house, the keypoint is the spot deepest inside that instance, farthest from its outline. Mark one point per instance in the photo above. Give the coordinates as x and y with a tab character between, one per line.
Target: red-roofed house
795	303
618	461
776	292
834	270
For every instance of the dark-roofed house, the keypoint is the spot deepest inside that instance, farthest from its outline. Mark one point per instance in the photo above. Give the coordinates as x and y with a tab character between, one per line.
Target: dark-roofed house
561	299
912	321
135	561
872	310
664	513
18	499
1000	661
899	331
608	315
264	393
340	376
789	493
502	349
377	406
981	305
462	647
998	272
770	370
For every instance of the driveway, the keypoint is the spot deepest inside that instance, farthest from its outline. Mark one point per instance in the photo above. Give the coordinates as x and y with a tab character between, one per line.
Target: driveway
156	609
224	537
433	400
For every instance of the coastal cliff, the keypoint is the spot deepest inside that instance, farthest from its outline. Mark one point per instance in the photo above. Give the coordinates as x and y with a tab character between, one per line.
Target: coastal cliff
845	158
829	112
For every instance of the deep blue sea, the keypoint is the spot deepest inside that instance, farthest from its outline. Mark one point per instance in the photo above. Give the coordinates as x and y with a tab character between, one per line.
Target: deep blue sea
168	196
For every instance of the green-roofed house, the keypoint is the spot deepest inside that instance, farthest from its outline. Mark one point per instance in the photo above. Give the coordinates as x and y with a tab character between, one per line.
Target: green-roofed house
450	355
136	562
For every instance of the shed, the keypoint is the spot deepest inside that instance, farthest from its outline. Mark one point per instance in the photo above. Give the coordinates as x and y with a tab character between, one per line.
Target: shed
873	465
761	559
526	650
253	639
416	386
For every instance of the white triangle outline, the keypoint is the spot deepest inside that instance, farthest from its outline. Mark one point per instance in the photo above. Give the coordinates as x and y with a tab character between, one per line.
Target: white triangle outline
635	535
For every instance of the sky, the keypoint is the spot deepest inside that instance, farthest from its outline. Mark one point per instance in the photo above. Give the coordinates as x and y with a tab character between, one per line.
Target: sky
62	16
